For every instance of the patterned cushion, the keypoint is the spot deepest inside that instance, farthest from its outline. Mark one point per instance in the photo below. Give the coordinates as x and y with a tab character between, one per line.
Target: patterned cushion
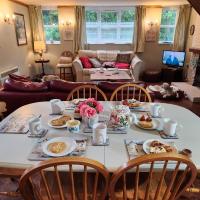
86	62
95	62
108	64
123	58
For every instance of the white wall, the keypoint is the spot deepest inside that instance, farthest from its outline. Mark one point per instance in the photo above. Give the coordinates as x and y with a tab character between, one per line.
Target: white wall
10	53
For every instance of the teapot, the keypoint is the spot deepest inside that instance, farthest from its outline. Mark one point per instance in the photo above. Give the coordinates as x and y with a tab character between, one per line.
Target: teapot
121	116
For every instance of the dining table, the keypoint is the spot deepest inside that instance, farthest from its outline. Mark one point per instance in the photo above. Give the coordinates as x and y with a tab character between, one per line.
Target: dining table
15	148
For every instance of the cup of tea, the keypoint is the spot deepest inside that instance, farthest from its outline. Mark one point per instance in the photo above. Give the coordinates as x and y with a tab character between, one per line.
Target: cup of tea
171	127
156	110
99	134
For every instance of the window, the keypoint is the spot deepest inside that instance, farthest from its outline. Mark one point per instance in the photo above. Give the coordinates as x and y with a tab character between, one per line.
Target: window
168	25
51	26
110	25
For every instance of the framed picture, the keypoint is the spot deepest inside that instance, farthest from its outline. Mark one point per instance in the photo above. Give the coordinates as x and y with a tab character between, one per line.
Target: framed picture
20	29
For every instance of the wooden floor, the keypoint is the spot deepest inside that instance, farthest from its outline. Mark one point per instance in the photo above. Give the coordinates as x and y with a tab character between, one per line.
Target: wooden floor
7	185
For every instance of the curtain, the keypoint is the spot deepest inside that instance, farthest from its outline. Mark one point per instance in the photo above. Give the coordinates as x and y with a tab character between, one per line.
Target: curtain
182	28
79	29
139	29
37	26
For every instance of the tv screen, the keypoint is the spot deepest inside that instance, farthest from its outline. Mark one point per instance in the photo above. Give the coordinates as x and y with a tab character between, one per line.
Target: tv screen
174	58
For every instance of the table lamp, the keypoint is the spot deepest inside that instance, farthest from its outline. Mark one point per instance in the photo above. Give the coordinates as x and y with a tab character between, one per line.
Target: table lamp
40	47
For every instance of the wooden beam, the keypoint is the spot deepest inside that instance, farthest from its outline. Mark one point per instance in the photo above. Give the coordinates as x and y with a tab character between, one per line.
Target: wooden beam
19	2
195	4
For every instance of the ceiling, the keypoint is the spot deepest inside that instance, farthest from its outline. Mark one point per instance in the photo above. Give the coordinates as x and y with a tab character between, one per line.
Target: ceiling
104	2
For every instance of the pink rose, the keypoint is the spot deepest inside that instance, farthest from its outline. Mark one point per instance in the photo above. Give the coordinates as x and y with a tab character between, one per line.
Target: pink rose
89	112
82	109
99	107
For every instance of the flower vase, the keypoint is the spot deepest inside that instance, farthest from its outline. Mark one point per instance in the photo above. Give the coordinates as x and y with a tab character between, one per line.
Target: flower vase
92	121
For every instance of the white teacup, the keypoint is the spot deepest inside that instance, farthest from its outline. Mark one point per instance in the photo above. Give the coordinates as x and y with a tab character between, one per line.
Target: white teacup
99	133
156	110
171	127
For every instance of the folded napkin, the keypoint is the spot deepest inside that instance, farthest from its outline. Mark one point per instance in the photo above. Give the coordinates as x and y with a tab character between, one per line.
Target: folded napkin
57	106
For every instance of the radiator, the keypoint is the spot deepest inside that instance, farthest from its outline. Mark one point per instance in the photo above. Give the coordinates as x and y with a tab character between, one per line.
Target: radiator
4	74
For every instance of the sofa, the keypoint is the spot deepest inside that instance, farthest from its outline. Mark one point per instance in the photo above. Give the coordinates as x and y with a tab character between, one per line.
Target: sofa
136	65
16	93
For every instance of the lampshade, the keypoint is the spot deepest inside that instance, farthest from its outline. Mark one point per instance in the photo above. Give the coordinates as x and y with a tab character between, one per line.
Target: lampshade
39	46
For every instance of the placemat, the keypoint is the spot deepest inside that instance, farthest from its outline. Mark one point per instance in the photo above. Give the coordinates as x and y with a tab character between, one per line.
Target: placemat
16	124
37	154
135	147
110	130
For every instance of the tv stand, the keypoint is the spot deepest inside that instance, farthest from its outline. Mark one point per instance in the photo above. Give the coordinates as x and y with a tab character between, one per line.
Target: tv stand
172	74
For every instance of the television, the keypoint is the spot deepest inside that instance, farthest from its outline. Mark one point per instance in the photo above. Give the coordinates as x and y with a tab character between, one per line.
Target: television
173	58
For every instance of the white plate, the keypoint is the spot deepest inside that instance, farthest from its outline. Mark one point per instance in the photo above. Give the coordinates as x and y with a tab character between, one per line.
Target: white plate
155	88
155	125
147	143
63	126
77	101
70	143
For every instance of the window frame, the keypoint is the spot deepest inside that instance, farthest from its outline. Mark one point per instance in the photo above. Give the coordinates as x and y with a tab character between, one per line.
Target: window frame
118	25
168	26
52	25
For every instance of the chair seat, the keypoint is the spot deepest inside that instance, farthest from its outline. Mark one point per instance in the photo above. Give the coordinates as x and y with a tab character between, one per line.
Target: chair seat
64	65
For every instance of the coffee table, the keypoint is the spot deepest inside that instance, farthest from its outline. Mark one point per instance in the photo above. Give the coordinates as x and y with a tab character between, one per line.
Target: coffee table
110	75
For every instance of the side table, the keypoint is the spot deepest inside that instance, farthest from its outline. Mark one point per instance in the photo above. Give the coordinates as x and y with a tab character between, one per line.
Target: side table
42	61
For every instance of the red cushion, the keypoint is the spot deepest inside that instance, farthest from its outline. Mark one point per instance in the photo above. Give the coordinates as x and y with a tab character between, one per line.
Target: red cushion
14	85
18	77
86	62
122	65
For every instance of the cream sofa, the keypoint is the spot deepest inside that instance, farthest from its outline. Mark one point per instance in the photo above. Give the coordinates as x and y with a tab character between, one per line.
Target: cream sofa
81	74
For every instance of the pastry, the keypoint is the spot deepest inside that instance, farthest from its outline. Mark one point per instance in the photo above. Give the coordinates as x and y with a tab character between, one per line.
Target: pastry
58	122
57	147
65	118
131	103
158	147
61	120
145	122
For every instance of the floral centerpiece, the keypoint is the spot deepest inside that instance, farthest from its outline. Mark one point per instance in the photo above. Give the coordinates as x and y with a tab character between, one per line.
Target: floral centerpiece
90	109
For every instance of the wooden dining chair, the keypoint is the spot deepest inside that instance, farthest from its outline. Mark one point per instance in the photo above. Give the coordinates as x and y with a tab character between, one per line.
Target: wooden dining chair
129	91
176	174
87	91
65	178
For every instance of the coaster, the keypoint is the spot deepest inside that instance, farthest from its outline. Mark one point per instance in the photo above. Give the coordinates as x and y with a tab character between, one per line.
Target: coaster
105	144
164	136
44	132
109	130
